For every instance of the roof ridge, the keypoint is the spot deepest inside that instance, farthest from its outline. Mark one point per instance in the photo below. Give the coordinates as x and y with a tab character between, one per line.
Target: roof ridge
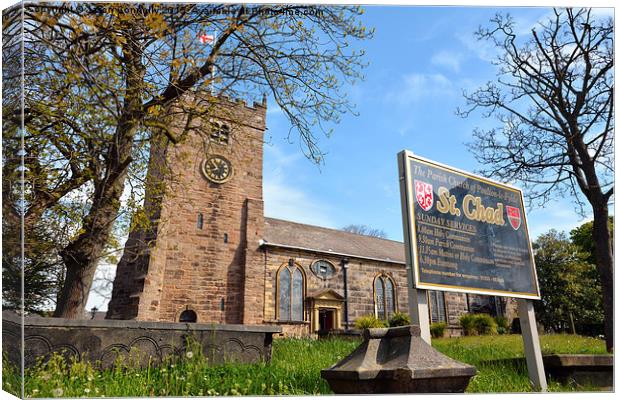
334	229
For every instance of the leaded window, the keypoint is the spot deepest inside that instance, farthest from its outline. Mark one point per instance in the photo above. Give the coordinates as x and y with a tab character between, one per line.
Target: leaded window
438	306
290	284
385	297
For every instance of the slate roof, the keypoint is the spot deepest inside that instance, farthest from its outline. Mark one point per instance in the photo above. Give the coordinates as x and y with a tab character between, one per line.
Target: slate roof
287	234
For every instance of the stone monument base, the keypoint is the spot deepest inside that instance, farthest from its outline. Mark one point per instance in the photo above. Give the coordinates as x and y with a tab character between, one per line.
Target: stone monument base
397	360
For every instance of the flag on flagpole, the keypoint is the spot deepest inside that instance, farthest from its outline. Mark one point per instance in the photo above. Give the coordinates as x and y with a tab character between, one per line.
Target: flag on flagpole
206	38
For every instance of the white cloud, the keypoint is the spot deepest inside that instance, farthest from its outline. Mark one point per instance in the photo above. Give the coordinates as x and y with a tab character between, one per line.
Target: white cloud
283	198
557	214
447	59
483	49
274	109
285	201
601	13
416	86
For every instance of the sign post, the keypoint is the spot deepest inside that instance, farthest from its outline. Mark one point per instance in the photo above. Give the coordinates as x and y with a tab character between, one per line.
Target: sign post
531	345
418	299
466	233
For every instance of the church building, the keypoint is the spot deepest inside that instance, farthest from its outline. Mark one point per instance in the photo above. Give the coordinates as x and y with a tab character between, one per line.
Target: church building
210	255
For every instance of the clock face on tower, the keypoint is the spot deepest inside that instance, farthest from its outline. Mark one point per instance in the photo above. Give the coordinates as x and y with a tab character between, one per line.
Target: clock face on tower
217	169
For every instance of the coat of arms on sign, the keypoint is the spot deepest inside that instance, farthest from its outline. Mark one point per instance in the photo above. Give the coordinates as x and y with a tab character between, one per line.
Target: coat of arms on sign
514	216
424	195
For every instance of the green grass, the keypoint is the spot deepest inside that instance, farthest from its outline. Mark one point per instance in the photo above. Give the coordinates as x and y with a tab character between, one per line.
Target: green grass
295	370
494	356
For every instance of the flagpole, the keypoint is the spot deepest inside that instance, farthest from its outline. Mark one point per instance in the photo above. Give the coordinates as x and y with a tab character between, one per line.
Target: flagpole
213	67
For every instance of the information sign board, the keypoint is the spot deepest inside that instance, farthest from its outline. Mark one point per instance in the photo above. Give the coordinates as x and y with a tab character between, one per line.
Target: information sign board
465	233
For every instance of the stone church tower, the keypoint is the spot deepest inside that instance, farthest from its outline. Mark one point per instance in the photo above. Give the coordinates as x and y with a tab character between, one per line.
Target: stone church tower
199	260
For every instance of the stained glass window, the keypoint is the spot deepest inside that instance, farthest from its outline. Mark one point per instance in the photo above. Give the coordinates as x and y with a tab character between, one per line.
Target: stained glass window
290	294
379	298
297	305
385	297
438	306
389	297
285	294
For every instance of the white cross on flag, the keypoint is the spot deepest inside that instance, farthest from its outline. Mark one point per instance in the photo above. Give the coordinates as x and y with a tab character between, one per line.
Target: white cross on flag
206	39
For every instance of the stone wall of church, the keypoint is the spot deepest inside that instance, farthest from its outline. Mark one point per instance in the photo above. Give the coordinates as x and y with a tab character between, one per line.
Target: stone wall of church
360	277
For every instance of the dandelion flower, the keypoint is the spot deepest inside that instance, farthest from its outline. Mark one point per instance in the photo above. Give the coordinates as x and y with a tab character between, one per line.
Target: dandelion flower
190	354
57	392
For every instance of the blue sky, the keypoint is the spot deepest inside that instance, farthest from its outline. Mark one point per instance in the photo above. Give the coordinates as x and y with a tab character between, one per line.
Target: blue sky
421	59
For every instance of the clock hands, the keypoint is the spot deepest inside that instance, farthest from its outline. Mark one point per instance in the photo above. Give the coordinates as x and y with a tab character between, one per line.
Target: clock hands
217	169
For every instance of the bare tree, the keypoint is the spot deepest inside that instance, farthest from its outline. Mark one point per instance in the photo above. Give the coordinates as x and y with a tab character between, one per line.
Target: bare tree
554	100
107	77
365	230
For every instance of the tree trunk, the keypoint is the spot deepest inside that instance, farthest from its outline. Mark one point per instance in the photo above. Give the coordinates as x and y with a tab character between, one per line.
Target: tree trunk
572	323
603	251
74	294
82	255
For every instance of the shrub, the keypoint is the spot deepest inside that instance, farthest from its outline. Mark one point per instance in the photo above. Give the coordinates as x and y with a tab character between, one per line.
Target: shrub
502	324
438	329
369	321
467	323
485	324
399	319
478	324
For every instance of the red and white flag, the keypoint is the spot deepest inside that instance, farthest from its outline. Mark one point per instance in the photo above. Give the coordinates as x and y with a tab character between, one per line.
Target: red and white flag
206	38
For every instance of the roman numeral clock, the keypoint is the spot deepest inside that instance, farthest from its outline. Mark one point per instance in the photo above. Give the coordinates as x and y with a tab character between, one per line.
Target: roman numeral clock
217	169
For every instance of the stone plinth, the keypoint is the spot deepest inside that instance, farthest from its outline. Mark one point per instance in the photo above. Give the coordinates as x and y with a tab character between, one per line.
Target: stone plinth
397	360
583	369
105	340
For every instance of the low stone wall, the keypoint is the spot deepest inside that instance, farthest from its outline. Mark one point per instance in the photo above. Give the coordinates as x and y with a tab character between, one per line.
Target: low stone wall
583	369
139	341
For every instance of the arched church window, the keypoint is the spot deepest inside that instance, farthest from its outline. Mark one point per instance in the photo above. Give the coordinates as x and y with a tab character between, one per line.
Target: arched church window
290	284
438	305
384	296
188	316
